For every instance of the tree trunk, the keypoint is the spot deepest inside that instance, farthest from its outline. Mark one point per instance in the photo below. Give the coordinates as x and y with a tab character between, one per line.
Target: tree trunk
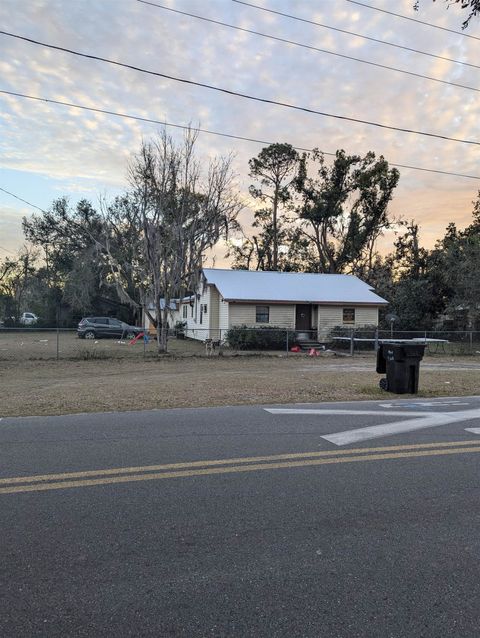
159	334
162	329
162	344
161	341
275	237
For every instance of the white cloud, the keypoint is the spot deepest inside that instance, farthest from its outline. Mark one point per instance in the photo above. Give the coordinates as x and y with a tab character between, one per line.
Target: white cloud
90	151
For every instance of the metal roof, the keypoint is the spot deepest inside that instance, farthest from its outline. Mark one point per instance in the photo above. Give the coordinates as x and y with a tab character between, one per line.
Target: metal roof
291	287
172	306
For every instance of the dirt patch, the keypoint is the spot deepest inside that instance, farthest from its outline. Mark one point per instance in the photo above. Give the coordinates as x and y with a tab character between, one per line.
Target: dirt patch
50	387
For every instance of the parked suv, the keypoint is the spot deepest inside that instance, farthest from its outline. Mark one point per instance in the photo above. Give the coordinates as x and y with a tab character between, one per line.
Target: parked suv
96	327
28	319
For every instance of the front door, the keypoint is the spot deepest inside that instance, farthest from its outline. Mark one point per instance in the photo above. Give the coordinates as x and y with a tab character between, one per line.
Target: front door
303	317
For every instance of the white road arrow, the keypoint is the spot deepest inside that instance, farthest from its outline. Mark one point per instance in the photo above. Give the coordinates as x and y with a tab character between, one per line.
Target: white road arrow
400	427
333	411
423	404
421	421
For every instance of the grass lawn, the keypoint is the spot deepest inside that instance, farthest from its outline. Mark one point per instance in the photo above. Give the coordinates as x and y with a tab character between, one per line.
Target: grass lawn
33	345
42	387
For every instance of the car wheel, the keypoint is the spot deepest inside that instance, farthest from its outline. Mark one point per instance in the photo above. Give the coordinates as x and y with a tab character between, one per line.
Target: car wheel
89	334
131	335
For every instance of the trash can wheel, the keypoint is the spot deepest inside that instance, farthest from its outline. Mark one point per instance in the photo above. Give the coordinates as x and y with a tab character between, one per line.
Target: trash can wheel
383	383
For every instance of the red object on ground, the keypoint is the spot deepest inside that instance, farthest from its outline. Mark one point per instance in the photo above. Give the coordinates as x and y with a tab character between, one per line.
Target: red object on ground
312	352
295	349
135	339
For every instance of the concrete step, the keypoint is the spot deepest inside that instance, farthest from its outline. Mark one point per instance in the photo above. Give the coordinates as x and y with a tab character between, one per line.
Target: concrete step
307	345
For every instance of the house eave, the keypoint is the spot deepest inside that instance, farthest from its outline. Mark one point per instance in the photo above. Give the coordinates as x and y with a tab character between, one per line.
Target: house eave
302	302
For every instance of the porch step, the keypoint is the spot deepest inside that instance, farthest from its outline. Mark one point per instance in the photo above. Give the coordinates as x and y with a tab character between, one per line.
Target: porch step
307	345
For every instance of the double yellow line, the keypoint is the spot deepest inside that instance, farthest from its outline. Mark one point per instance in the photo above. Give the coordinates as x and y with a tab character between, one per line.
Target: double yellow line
44	482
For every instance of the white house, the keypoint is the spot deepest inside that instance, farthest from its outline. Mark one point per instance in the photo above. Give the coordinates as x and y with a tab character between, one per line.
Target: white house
147	324
297	301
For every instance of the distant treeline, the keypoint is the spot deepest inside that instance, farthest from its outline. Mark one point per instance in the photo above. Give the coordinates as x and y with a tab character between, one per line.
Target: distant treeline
312	215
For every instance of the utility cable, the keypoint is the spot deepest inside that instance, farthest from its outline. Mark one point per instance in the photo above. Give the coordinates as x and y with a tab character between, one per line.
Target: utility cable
200	130
246	96
337	29
399	15
25	202
7	250
22	200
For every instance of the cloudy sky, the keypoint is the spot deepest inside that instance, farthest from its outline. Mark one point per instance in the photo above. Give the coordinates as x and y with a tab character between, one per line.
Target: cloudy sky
51	150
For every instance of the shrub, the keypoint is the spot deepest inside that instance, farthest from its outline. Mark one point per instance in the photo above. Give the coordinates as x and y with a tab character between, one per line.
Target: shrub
179	329
264	338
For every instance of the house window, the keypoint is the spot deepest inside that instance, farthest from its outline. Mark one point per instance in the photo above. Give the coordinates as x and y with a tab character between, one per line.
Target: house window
201	313
262	314
349	315
184	311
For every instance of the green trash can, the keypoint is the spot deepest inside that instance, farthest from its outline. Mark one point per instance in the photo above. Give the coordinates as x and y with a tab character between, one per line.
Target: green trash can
401	363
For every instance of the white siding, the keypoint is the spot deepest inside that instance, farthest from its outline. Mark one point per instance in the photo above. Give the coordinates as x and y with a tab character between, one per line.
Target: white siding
190	316
281	315
331	316
178	315
213	312
149	327
211	319
328	318
175	316
223	315
366	316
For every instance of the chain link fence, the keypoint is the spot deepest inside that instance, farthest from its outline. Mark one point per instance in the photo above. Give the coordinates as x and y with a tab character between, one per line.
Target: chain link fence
455	343
30	344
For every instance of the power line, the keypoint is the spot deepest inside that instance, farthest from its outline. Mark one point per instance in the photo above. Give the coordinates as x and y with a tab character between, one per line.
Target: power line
398	15
246	96
312	48
337	29
7	250
208	132
22	200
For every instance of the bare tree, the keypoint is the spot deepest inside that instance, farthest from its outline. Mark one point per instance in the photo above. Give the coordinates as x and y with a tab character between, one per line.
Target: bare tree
16	277
181	212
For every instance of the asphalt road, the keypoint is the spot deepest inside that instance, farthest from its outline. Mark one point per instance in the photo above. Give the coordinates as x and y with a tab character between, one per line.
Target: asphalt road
332	520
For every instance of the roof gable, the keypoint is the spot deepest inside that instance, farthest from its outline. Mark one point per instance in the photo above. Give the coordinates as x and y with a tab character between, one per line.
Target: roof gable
250	285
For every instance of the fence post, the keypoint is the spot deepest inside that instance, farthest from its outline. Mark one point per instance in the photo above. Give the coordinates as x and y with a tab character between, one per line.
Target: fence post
376	339
57	317
352	342
471	342
287	341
